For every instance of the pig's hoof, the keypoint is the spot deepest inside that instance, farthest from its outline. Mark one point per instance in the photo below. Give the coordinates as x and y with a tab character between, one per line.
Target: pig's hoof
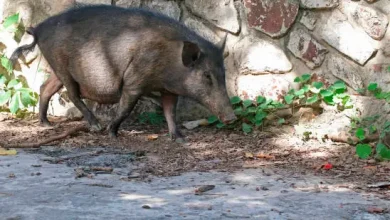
46	124
180	140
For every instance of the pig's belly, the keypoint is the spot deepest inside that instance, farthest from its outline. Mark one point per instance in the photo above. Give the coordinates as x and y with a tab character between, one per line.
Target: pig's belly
101	95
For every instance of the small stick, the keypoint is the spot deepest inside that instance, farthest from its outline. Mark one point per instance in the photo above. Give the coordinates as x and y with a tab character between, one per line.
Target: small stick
347	138
48	140
103	169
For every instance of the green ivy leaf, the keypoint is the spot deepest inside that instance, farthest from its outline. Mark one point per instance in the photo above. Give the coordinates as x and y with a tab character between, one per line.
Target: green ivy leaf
14	104
385	154
281	121
212	119
329	100
246	128
258	122
252	109
2	80
339	85
306	77
372	87
220	125
4	97
291	92
298	79
386	126
318	85
14	84
314	90
379	95
260	115
360	133
372	129
289	99
247	103
380	147
266	104
235	100
299	92
26	99
388	69
382	151
260	99
277	104
251	118
11	20
339	91
244	113
238	111
312	99
363	151
306	88
326	93
6	63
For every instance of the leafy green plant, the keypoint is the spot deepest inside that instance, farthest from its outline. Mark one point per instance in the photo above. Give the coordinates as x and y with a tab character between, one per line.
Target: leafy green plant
153	118
368	126
13	93
363	150
313	92
251	114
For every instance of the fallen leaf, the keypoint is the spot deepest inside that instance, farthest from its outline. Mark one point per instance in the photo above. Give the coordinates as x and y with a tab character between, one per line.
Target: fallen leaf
103	169
152	137
203	122
4	152
249	155
370	167
203	189
265	156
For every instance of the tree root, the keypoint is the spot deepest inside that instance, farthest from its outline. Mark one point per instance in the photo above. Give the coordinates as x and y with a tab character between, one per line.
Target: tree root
48	140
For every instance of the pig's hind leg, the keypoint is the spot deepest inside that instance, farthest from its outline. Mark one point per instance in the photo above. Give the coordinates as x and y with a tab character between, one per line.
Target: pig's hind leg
47	90
73	89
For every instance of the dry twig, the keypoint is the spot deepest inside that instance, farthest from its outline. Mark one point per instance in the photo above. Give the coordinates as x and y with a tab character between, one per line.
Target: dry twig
48	140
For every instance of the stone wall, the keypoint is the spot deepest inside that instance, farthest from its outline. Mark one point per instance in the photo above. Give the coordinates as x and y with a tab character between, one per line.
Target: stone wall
270	42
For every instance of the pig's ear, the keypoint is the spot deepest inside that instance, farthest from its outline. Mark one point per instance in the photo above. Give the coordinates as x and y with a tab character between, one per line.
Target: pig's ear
191	53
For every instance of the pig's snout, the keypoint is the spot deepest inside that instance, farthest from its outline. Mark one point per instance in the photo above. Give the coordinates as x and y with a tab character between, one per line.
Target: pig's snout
228	119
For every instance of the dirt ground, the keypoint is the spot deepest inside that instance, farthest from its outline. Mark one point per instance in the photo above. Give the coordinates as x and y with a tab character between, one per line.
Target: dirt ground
211	149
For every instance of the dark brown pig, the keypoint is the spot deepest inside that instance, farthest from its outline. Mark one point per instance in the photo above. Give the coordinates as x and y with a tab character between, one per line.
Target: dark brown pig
109	54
